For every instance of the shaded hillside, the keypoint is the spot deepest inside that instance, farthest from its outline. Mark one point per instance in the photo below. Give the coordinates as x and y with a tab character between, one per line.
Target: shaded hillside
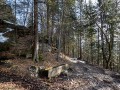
79	77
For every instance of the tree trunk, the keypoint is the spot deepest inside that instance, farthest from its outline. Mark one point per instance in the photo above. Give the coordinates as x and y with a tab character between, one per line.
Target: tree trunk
36	43
48	24
98	60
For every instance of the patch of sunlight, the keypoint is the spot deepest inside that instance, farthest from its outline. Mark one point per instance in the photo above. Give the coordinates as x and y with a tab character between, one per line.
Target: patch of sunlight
2	38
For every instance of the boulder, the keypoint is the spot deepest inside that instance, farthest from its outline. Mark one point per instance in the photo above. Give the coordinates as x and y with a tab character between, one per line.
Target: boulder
28	56
55	71
33	71
45	47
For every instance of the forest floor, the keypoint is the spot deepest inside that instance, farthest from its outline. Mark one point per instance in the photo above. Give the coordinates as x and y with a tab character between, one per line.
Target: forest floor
80	77
14	74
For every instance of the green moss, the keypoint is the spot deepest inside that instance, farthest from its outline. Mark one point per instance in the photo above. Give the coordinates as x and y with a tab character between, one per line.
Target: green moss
40	57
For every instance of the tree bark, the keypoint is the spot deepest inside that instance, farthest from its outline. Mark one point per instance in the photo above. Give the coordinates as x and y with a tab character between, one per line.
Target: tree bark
48	24
36	43
98	59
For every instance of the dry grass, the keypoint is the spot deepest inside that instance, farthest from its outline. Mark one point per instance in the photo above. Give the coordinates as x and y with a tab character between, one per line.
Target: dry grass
10	86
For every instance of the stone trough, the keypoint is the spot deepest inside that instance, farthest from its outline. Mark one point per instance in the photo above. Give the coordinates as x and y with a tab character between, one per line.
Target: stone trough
48	72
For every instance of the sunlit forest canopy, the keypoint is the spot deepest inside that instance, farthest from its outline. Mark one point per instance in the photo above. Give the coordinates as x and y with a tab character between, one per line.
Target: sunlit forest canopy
60	44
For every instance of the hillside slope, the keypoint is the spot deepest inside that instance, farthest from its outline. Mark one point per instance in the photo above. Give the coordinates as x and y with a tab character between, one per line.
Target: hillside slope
80	77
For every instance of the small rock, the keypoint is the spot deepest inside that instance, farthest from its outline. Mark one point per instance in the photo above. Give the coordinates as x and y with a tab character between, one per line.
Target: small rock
108	79
42	67
99	77
81	61
29	56
33	70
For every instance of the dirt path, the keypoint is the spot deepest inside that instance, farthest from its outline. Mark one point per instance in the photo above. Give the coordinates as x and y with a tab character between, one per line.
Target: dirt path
98	78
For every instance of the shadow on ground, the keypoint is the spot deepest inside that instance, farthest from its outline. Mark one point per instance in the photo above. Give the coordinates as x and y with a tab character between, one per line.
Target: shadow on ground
25	82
